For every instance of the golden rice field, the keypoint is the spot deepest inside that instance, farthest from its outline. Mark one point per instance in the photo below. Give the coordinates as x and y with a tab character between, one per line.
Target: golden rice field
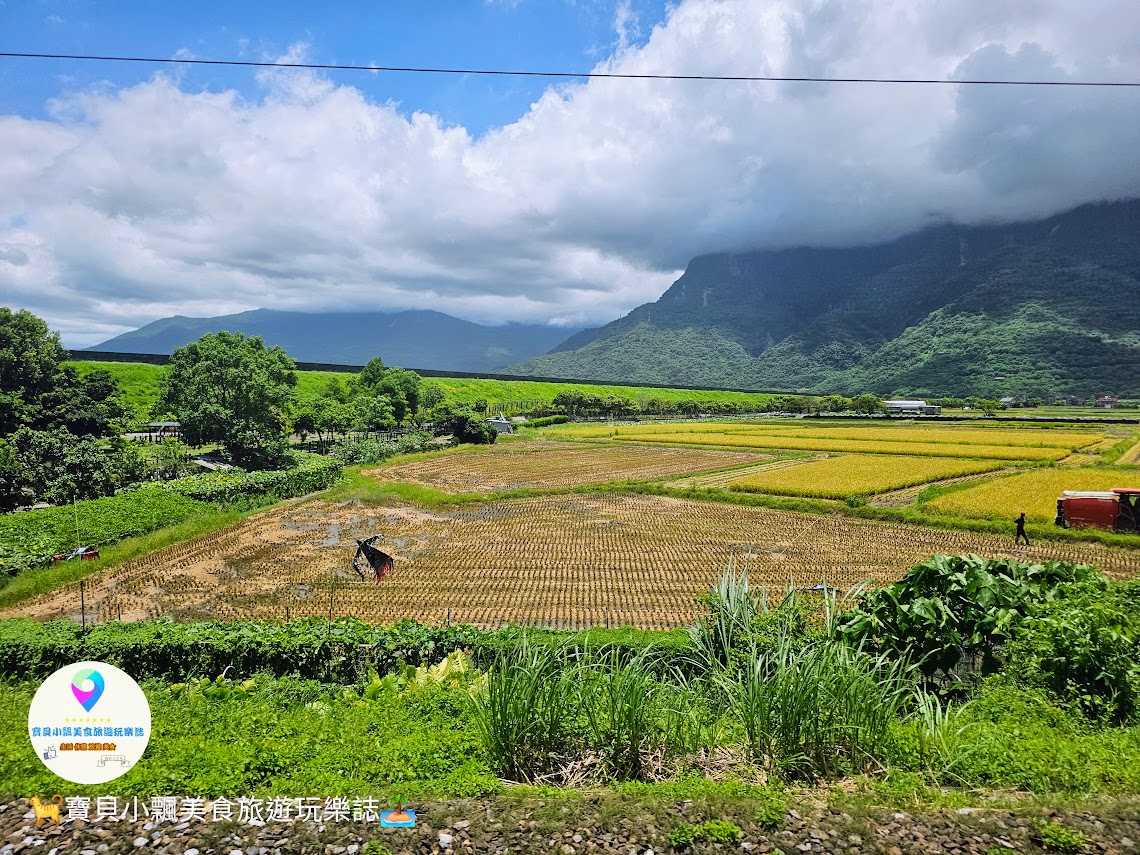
1035	492
857	475
777	440
557	464
564	561
909	432
951	435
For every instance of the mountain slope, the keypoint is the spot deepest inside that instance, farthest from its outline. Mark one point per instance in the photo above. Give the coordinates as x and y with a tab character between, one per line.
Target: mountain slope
1044	308
418	339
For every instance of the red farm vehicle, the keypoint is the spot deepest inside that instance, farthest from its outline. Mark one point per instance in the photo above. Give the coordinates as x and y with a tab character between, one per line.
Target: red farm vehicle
1117	509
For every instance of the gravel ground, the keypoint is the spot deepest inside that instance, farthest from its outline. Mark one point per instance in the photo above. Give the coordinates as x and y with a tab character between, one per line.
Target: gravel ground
628	827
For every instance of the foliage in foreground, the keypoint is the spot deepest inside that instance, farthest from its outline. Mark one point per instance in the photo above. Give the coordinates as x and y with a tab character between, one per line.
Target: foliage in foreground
289	737
953	607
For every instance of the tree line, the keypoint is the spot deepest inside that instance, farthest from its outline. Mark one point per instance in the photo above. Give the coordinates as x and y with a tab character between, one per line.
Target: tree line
61	434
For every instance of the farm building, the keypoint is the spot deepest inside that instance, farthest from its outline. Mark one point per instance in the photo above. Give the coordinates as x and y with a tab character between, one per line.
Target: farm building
1107	402
911	408
502	425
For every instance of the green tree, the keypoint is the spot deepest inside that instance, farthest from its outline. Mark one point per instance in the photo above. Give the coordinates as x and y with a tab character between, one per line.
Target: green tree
13	479
431	396
867	404
401	384
30	355
374	412
85	406
464	424
232	390
59	466
372	373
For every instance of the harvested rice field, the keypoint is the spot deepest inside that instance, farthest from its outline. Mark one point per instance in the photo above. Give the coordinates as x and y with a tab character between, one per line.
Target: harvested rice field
563	561
557	464
1035	492
857	475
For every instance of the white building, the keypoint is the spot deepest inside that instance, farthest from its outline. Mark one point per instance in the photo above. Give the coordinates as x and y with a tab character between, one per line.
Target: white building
911	408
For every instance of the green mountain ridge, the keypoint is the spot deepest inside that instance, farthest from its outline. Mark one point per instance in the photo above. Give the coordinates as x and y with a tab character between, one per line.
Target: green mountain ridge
1044	309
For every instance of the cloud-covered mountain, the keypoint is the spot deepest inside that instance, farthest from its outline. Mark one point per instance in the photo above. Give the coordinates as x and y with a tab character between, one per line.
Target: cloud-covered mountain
308	192
1043	308
416	339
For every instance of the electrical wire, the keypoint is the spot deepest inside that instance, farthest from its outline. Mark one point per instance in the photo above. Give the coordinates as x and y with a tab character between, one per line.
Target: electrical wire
569	74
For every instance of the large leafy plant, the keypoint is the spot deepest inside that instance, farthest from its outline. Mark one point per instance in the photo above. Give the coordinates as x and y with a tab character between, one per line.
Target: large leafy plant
954	609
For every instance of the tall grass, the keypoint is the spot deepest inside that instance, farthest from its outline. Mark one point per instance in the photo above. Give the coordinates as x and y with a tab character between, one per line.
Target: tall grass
817	711
622	701
526	709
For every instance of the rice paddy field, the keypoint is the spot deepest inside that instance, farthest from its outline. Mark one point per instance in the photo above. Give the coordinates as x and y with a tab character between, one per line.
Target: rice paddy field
683	499
920	441
518	465
562	561
857	475
1034	492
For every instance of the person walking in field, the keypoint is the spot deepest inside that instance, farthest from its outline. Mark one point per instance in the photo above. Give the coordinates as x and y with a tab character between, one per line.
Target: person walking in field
1020	521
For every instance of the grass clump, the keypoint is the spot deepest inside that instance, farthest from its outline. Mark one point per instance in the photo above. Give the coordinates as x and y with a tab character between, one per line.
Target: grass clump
720	831
1056	837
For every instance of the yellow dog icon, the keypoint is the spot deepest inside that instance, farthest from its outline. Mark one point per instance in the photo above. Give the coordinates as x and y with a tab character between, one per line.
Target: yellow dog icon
47	810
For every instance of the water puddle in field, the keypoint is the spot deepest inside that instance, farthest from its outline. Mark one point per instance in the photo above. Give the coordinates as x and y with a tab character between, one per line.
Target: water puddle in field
333	536
302	590
296	524
238	569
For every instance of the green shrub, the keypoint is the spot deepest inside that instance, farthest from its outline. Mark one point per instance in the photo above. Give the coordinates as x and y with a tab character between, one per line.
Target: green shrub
772	812
719	831
1084	648
341	652
310	474
365	451
546	421
1055	837
953	608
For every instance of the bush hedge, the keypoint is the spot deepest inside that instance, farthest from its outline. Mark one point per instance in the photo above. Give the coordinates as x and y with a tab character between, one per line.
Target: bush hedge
312	473
343	651
546	420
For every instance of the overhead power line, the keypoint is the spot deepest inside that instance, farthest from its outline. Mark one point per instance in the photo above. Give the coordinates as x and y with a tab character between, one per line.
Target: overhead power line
744	78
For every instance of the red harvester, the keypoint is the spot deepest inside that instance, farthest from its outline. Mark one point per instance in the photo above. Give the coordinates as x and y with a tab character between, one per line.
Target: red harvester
1113	510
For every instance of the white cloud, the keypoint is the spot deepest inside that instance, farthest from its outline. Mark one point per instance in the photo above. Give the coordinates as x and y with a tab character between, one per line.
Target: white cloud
152	200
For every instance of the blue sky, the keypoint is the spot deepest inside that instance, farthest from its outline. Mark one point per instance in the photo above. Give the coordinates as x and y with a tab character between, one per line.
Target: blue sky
506	34
129	193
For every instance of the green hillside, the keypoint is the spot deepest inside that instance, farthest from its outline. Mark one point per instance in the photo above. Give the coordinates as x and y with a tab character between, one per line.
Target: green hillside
1043	309
139	382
